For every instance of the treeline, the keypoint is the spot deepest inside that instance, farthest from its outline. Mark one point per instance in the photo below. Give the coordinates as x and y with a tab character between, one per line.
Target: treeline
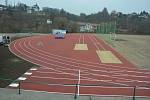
20	18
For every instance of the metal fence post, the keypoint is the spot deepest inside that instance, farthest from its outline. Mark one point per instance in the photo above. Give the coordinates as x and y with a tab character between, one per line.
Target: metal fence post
19	92
134	93
75	96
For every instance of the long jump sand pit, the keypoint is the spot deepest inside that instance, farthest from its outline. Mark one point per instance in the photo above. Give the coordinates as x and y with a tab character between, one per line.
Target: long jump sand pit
81	47
107	57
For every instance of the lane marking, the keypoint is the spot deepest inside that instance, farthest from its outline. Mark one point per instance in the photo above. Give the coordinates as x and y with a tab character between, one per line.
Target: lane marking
28	73
109	82
22	78
47	53
84	61
14	85
97	42
94	43
33	69
79	38
83	39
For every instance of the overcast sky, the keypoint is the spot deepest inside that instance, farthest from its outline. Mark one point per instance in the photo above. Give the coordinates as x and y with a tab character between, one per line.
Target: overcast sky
90	6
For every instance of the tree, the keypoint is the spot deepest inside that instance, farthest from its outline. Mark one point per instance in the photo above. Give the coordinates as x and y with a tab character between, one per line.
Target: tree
60	22
82	17
105	15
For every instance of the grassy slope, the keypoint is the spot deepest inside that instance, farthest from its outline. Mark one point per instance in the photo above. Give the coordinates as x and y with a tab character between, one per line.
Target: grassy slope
11	67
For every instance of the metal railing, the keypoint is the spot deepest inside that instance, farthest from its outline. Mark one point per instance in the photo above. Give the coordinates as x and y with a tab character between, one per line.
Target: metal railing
75	85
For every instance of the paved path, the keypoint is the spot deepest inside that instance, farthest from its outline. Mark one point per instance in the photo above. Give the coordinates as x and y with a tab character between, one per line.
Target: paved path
12	94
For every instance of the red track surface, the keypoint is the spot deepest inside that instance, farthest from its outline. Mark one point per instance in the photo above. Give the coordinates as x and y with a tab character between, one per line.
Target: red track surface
60	64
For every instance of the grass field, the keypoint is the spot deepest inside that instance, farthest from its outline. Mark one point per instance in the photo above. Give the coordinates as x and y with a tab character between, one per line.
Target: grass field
11	67
135	48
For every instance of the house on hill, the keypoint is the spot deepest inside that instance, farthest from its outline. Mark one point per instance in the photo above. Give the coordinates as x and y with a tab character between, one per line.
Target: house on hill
87	27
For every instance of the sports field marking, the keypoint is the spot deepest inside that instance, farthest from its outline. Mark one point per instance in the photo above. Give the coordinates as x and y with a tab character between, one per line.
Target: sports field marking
94	42
107	57
97	42
33	69
58	71
79	39
79	60
84	61
80	47
89	78
40	43
113	76
22	78
27	73
83	39
14	85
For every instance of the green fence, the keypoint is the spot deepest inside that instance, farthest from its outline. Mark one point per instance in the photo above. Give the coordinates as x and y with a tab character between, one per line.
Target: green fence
106	28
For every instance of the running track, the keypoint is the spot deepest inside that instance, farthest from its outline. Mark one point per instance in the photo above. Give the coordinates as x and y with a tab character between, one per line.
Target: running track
60	65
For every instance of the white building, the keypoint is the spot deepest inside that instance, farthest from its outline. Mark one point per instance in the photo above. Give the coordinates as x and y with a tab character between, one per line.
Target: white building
34	8
87	27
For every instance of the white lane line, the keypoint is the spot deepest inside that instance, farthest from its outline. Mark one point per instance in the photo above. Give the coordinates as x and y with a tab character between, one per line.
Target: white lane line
97	42
55	60
111	76
84	79
82	60
94	43
131	75
83	39
134	71
44	72
33	69
105	75
36	63
127	80
79	41
61	71
53	78
42	65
